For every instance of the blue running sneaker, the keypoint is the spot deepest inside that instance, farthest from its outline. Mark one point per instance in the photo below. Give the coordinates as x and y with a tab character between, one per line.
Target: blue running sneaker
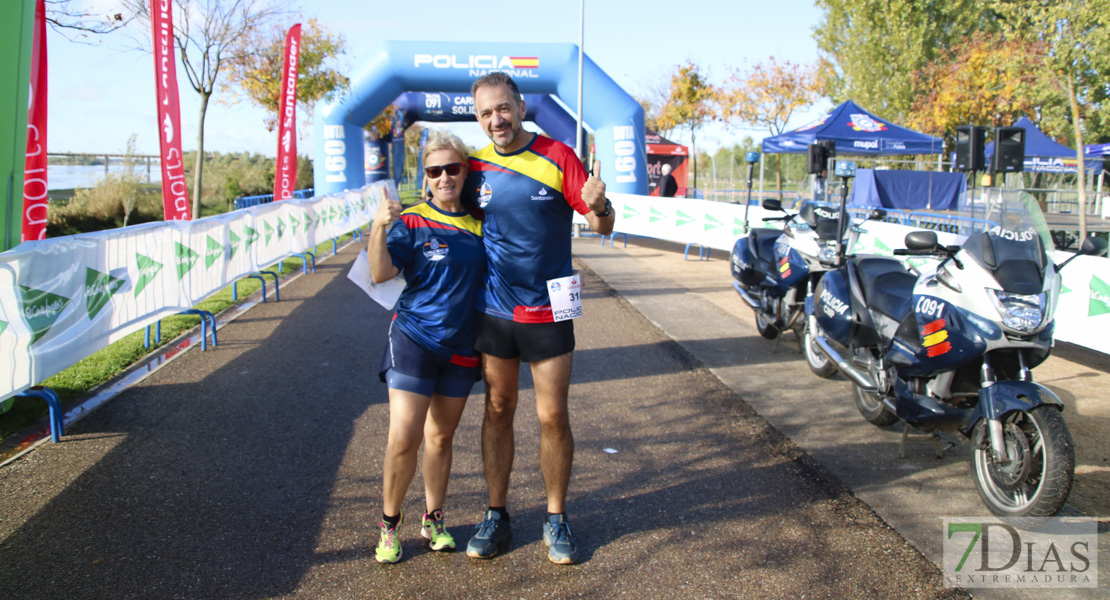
492	538
560	542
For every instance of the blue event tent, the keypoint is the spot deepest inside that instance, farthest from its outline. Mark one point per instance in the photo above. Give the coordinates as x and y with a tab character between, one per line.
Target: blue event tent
1044	155
1097	150
855	131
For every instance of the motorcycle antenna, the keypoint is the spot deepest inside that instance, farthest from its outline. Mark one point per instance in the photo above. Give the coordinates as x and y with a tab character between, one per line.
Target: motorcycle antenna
751	158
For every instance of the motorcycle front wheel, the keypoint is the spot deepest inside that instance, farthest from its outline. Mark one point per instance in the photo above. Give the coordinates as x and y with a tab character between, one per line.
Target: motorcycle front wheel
1034	481
821	365
870	405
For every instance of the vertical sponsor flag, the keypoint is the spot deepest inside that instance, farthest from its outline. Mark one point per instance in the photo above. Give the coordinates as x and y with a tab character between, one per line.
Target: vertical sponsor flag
16	32
285	177
175	196
34	179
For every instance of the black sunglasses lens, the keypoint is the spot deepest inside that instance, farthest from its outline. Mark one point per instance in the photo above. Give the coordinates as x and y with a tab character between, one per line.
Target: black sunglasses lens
452	170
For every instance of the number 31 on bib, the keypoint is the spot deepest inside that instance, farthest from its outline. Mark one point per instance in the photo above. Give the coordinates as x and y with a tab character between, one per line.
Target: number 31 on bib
566	297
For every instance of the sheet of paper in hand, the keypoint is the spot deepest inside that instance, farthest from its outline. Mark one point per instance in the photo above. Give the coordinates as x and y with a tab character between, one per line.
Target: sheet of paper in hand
566	297
385	293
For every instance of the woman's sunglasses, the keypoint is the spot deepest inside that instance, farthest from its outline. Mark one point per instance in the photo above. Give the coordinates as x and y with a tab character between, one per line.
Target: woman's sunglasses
451	168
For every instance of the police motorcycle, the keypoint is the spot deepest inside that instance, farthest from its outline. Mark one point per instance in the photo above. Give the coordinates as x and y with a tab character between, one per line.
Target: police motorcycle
774	271
953	349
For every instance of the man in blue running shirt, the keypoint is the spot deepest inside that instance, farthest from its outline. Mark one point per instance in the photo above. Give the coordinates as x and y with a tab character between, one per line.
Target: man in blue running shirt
529	188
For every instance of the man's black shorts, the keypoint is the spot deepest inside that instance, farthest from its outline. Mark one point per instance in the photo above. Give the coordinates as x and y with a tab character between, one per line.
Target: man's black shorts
530	342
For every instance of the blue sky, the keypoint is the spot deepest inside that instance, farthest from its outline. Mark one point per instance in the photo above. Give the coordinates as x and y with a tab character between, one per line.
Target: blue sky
101	94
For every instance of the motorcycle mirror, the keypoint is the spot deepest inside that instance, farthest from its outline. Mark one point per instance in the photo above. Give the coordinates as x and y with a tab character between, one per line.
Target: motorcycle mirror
772	204
921	240
877	215
1093	246
751	157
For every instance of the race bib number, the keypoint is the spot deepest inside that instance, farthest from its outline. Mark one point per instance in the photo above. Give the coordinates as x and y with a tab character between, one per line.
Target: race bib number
566	297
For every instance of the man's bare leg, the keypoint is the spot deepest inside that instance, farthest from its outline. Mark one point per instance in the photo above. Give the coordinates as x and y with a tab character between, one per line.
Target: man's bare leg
552	381
498	447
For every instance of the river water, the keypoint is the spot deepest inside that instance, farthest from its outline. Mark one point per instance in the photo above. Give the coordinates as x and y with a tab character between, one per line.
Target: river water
62	177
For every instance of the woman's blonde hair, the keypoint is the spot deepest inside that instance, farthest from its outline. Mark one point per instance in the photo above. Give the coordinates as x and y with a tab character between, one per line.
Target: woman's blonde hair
442	140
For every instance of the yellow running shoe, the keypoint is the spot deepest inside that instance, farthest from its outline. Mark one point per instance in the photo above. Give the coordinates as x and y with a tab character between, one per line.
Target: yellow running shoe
389	546
435	531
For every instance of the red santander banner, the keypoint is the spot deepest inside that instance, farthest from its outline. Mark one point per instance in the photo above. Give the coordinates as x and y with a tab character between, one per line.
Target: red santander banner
285	172
34	180
175	196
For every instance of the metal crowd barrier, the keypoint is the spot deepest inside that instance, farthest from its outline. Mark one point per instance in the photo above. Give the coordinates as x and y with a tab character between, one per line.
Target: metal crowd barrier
248	201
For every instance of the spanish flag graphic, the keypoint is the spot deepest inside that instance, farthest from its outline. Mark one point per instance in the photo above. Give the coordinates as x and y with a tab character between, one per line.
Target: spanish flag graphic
525	62
935	338
784	267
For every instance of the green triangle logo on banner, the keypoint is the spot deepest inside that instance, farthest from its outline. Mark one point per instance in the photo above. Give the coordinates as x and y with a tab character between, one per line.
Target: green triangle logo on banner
737	226
294	224
280	228
234	243
333	214
3	326
148	270
1064	289
309	219
656	215
186	258
682	218
1100	297
40	310
251	235
269	231
212	253
629	212
711	222
99	288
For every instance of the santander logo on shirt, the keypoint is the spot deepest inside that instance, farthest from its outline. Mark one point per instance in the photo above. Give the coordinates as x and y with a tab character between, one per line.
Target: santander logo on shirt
543	195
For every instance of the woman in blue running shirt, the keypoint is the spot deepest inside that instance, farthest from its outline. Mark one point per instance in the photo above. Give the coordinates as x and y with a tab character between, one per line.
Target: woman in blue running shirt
429	362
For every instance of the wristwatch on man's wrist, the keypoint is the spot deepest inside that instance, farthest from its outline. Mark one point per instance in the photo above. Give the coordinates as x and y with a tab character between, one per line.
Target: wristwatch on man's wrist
608	209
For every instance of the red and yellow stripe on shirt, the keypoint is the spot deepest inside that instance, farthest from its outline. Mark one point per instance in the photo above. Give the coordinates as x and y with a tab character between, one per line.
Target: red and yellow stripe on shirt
423	215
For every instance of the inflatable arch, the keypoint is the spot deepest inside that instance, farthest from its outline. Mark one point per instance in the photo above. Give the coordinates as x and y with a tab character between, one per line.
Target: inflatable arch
616	118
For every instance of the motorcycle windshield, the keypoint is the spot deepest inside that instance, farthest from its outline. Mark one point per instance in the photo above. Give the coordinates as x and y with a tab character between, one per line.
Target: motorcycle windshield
1009	237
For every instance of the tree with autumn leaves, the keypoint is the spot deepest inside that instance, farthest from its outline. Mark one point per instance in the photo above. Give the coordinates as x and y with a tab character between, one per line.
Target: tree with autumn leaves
258	74
690	105
767	95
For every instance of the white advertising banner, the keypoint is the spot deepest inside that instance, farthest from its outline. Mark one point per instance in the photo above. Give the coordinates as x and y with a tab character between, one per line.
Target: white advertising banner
1082	317
62	299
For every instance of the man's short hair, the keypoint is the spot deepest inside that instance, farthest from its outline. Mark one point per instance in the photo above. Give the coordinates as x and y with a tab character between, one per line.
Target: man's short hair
497	78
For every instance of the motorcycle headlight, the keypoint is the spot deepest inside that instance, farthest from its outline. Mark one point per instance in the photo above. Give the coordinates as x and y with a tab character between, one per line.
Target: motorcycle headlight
1022	313
827	252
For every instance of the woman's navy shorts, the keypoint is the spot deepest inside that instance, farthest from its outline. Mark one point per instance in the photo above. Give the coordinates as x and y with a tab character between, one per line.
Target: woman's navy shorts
407	366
